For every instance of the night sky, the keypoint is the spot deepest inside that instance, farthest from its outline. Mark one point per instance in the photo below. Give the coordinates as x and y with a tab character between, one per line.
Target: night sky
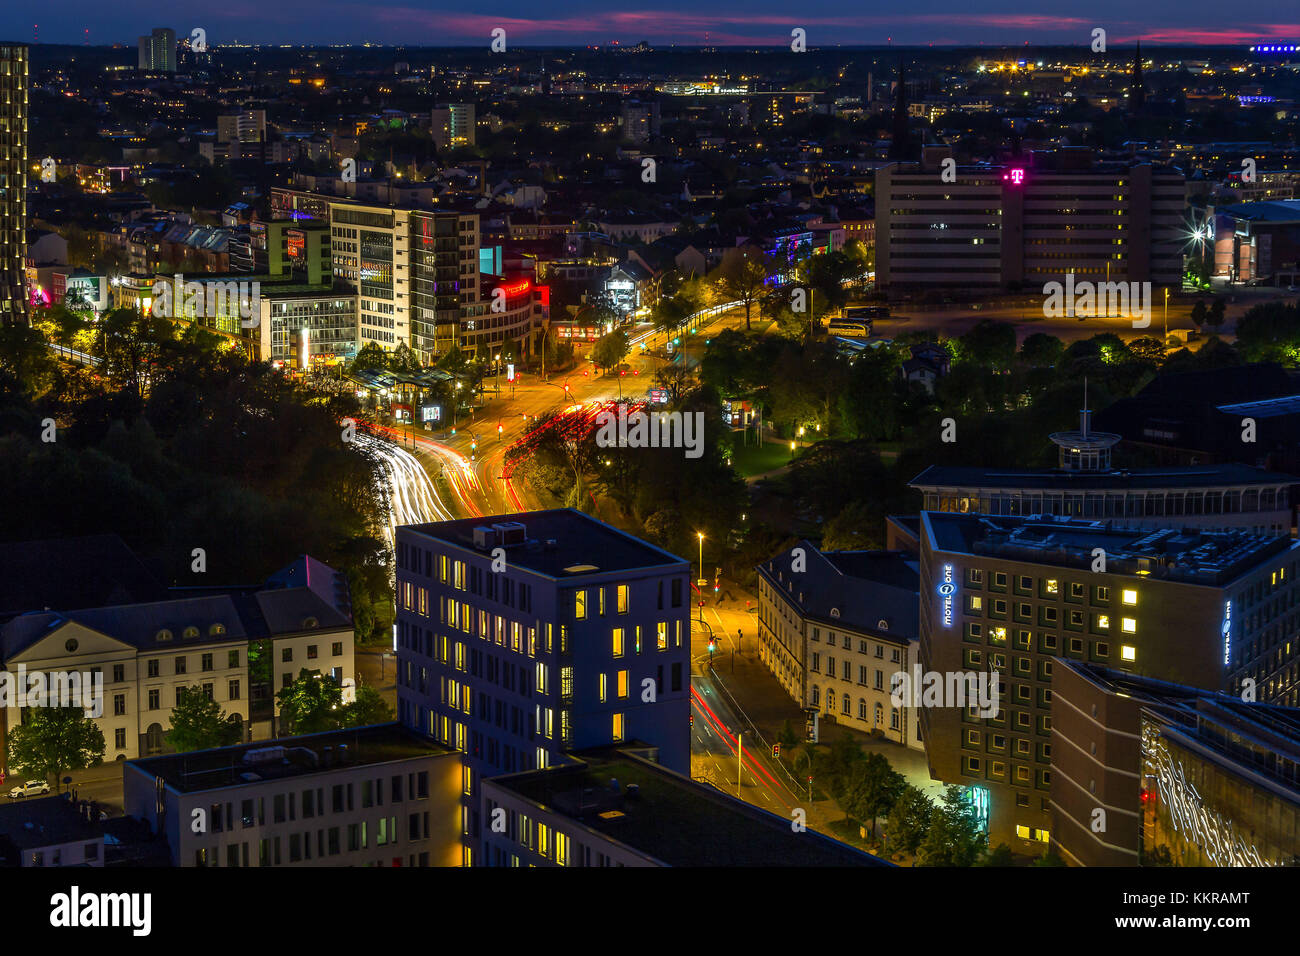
661	22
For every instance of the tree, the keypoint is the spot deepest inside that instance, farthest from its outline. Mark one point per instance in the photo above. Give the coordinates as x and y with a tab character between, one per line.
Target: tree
368	708
53	740
610	349
1040	350
1001	855
1050	858
1199	313
872	790
1216	315
909	819
956	836
25	358
788	738
198	722
742	277
990	344
310	704
370	358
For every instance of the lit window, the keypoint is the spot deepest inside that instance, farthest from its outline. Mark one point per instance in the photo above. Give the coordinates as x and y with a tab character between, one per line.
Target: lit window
1103	621
1052	586
580	605
1130	597
1129	625
603	685
1128	652
622	684
622	599
618	727
618	642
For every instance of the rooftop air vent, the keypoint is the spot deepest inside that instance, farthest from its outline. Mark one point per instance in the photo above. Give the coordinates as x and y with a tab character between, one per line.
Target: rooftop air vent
484	537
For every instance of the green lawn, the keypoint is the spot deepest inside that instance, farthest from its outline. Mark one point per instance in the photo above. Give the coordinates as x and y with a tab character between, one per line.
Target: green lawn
750	460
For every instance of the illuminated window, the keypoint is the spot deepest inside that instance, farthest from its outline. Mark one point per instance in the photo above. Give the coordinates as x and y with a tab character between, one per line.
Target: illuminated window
976	602
622	684
1130	597
1128	625
1128	652
580	605
621	598
604	683
601	593
618	727
662	635
1051	586
1103	621
618	642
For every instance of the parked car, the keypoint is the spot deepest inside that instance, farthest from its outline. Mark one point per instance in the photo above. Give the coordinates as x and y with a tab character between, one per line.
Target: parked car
31	788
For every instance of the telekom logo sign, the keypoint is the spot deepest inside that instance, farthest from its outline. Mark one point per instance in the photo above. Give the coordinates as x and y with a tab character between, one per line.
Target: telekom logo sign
1017	176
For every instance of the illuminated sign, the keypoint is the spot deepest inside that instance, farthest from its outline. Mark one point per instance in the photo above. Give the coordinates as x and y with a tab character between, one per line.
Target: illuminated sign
1273	49
1227	632
947	594
296	243
510	372
517	288
1016	176
430	413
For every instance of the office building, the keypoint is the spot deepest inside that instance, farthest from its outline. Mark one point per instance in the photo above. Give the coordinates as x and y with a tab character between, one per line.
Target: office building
612	807
522	638
1022	224
158	51
835	626
239	645
246	126
640	121
49	831
13	182
1003	598
454	125
1147	772
1086	485
372	796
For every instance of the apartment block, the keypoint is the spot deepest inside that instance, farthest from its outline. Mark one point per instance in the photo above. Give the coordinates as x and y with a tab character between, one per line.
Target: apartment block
373	796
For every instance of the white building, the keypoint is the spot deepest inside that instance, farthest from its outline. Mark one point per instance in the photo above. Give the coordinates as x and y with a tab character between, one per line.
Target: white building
835	626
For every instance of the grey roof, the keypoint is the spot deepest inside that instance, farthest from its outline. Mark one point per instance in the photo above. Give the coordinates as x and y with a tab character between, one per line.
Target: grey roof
851	589
44	821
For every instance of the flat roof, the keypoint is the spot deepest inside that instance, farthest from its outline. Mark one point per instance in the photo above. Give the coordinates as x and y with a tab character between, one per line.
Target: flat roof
44	821
582	545
1141	479
672	818
287	757
1192	555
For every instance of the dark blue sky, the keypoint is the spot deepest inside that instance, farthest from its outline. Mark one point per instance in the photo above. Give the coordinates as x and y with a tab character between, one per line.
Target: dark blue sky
662	22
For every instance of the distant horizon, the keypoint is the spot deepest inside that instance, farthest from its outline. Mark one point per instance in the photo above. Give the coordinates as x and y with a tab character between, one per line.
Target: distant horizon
236	44
689	24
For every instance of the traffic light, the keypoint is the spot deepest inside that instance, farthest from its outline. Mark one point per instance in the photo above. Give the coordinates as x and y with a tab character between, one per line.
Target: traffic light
776	751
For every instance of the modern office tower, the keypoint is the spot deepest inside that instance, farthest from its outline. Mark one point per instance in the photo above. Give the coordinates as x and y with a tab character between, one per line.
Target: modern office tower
13	182
371	796
453	125
835	626
1002	598
611	807
521	638
1147	772
1085	485
158	51
1023	224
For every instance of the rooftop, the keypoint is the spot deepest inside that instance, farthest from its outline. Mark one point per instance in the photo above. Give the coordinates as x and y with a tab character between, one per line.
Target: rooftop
1141	479
1191	555
44	821
287	757
559	543
673	819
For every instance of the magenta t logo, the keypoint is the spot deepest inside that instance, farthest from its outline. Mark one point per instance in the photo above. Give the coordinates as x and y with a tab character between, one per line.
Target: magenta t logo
1017	176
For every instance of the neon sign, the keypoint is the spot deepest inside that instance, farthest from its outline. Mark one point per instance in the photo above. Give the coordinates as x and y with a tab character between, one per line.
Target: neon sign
1017	176
1227	632
947	593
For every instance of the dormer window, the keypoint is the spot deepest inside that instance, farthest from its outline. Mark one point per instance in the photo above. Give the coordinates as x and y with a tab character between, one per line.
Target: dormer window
310	622
190	633
216	629
163	636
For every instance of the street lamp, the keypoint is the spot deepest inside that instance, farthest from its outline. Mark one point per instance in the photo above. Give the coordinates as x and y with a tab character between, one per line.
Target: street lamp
1166	341
700	581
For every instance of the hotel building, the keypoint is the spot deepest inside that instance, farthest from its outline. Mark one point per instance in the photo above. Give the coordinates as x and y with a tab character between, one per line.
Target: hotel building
1010	596
1025	223
834	627
519	640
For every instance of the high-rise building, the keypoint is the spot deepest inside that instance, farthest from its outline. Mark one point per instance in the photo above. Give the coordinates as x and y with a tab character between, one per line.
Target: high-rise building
13	182
1002	598
453	125
1025	223
157	53
246	126
640	121
522	638
1148	772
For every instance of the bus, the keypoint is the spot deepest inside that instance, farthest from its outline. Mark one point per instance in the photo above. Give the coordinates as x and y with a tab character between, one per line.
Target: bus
849	328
